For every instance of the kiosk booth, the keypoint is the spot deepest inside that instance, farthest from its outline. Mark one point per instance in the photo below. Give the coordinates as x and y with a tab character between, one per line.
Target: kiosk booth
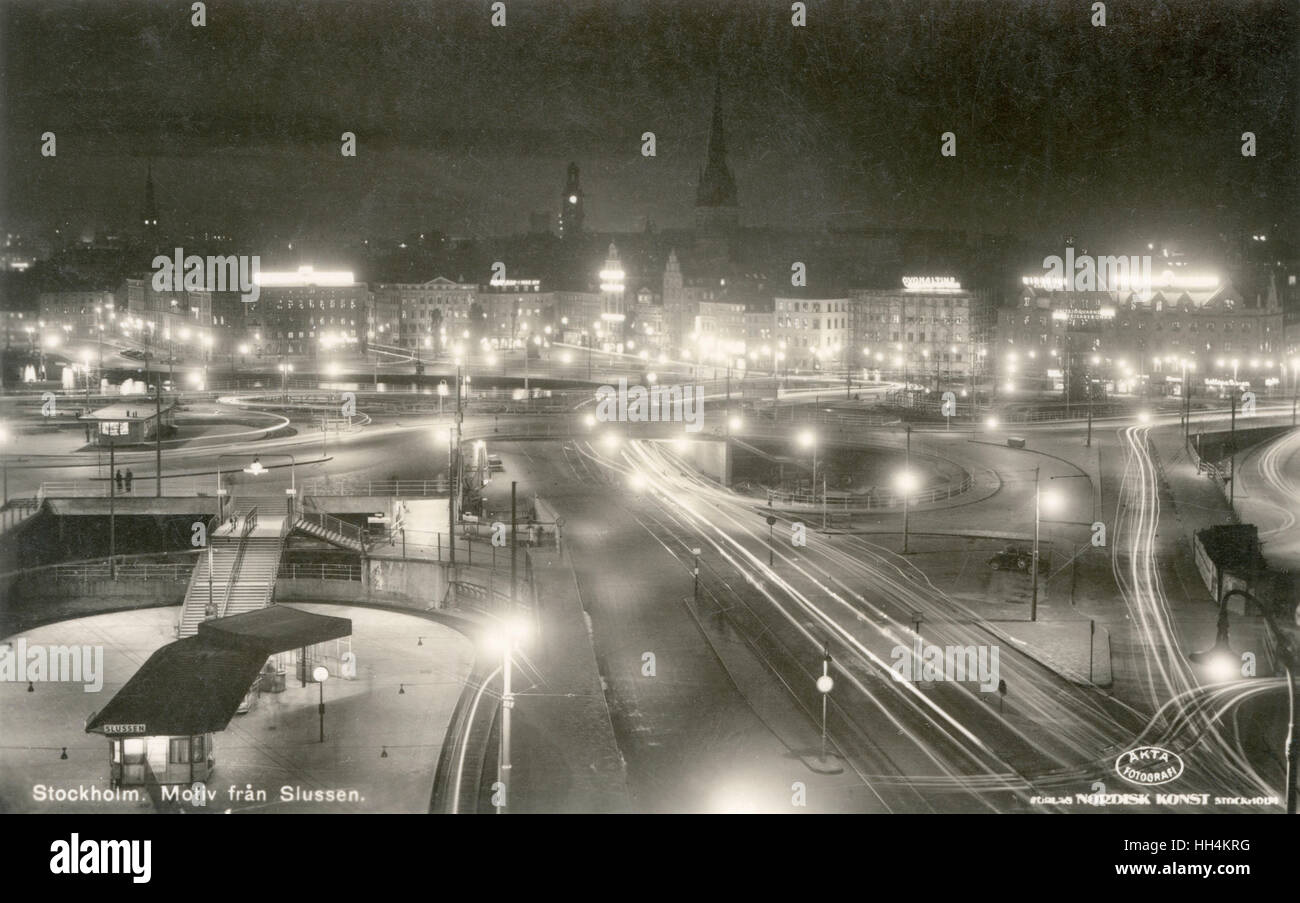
160	725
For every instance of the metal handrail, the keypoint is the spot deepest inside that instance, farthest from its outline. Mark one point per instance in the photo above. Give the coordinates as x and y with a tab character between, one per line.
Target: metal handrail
102	570
332	524
319	571
102	489
239	559
329	487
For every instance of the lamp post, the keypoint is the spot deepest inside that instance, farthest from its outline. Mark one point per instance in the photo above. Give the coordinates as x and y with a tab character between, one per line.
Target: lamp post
907	485
1038	509
257	469
1295	388
514	630
808	439
1232	447
695	573
1223	664
825	684
320	675
4	460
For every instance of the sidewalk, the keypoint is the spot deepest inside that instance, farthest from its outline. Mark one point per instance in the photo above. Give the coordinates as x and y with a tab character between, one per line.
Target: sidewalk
566	758
1197	503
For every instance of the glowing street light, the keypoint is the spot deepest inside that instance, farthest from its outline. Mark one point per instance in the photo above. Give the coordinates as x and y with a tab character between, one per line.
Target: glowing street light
507	637
906	483
320	674
1052	500
808	439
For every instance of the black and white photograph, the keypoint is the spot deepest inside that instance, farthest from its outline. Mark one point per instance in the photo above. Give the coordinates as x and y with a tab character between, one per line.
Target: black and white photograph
649	407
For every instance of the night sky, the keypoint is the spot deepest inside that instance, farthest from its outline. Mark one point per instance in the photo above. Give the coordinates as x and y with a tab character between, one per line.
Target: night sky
1061	127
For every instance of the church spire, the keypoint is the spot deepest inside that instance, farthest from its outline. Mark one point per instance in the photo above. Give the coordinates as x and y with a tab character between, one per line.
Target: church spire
715	198
571	205
150	215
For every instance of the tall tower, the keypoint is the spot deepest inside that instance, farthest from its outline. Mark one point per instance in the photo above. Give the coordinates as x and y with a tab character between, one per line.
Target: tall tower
571	205
716	207
674	300
612	281
150	214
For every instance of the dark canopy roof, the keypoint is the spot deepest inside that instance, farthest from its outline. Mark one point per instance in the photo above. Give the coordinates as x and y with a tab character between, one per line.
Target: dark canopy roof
195	685
275	629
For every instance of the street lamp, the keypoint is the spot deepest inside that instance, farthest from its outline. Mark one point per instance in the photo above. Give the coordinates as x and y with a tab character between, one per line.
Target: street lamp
906	483
695	572
320	674
1052	500
808	439
825	683
514	630
257	469
4	460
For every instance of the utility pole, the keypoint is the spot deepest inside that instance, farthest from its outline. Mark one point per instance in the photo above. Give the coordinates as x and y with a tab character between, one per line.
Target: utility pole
507	704
453	478
514	541
112	510
1088	381
1295	389
1033	576
157	440
907	470
1232	452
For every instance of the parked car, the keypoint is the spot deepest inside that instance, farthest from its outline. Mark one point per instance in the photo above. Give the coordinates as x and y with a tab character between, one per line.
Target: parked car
1011	557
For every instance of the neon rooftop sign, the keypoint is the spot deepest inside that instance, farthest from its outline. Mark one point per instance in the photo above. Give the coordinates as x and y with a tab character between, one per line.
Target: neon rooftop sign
931	284
305	275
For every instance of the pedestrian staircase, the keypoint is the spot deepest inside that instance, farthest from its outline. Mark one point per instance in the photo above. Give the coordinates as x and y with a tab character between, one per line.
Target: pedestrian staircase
330	529
244	560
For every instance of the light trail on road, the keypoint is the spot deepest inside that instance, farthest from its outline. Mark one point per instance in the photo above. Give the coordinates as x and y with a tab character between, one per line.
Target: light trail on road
1177	698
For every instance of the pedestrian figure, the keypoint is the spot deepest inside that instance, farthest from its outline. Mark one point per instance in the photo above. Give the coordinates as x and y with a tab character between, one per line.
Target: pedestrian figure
118	480
129	477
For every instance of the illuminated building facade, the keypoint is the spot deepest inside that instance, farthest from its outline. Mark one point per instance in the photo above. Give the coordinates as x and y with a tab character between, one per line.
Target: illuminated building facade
929	328
305	312
1142	340
813	331
408	314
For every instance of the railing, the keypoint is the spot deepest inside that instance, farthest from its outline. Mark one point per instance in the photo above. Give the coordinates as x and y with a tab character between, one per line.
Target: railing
102	570
319	572
869	501
70	489
327	486
250	522
331	523
234	570
432	546
1077	411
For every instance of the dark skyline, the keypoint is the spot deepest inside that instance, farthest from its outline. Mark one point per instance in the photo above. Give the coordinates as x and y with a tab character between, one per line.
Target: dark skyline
1061	127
